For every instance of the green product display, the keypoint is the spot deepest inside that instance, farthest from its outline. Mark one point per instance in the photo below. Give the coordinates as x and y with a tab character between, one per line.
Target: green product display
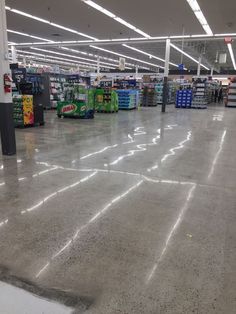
81	105
106	100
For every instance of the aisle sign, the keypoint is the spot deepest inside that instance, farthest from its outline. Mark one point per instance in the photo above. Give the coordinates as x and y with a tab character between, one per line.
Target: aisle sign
181	66
19	75
106	83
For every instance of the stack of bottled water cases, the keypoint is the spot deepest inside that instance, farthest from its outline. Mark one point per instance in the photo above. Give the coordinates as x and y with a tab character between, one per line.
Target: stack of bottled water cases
184	97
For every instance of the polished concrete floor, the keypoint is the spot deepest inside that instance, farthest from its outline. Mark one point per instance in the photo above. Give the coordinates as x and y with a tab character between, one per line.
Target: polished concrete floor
130	213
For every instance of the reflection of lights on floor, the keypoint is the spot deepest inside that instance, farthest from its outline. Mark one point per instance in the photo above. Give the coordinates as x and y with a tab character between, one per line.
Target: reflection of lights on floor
4	222
217	154
92	220
50	196
171	233
98	152
172	152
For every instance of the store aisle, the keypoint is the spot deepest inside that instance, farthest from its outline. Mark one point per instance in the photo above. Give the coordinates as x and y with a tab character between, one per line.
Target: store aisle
127	213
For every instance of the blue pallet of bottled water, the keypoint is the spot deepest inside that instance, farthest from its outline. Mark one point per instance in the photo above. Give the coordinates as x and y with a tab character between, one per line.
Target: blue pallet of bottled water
128	99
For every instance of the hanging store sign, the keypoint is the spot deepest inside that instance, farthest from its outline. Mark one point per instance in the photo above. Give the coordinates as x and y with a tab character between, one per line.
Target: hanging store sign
122	64
222	58
181	66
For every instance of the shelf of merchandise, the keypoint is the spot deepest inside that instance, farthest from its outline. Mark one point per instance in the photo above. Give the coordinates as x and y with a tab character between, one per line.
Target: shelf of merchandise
171	91
200	93
159	91
128	98
23	110
56	90
149	93
106	100
184	96
231	95
78	103
52	90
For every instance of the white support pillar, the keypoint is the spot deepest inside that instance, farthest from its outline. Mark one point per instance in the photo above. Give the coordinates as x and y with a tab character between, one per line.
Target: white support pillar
166	74
136	72
14	54
167	58
199	66
6	108
98	66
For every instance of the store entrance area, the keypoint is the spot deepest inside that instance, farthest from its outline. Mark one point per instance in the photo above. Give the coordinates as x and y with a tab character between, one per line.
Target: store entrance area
126	213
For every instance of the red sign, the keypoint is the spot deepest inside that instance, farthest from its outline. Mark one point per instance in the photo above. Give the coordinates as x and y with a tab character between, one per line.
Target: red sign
228	40
69	108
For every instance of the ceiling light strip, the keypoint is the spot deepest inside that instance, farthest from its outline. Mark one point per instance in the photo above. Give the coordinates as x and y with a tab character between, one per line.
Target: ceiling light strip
48	22
128	57
46	60
28	35
71	56
148	54
232	55
68	49
60	58
200	16
187	55
116	18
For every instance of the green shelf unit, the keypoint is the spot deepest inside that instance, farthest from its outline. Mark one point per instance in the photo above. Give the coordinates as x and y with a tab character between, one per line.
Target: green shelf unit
82	106
106	100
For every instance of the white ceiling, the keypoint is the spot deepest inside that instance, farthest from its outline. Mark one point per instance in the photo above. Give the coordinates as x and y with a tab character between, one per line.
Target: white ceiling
154	17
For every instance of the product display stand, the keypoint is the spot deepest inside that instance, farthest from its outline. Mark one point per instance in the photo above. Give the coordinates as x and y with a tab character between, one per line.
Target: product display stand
200	94
53	89
79	102
184	96
231	97
128	98
23	110
106	100
149	96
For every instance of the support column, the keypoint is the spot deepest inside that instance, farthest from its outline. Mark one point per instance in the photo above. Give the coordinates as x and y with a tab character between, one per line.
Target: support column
98	66
199	66
166	73
14	55
136	71
7	129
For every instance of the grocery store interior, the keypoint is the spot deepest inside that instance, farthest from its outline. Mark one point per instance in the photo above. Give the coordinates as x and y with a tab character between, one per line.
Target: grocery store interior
117	157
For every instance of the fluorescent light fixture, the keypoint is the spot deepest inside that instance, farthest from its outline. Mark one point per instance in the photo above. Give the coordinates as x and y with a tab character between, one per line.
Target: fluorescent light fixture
179	36
32	54
232	55
99	8
114	17
187	55
225	35
200	16
148	54
55	42
202	35
46	60
125	56
120	20
28	35
48	22
70	56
